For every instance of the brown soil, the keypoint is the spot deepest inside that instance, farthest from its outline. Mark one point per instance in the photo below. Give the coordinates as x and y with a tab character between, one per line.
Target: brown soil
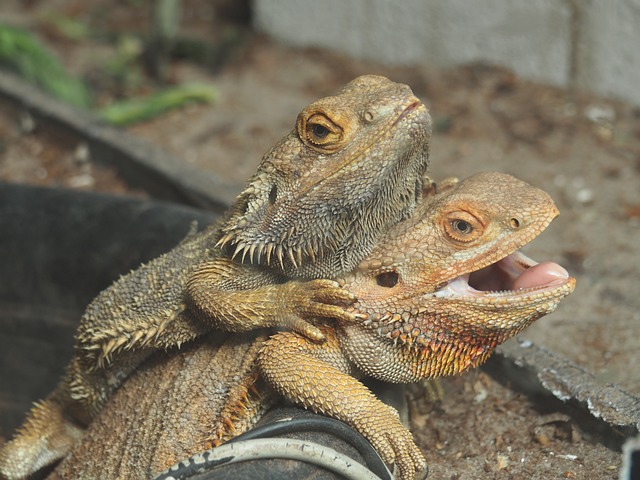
584	150
483	429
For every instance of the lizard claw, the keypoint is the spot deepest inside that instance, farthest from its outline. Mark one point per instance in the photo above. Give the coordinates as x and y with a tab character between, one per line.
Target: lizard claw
325	298
330	291
306	329
395	444
410	461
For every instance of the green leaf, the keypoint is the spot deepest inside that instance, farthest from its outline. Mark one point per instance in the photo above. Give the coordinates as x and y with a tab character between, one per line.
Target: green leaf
136	110
23	54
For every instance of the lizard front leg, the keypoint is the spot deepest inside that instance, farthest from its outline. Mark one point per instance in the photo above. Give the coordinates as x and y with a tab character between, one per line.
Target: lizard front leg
232	297
220	294
317	377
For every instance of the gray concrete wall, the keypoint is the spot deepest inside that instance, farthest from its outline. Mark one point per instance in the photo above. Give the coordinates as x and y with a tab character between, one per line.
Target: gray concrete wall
590	44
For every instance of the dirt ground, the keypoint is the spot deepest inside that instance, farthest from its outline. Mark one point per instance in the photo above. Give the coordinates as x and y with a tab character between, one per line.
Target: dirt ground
584	150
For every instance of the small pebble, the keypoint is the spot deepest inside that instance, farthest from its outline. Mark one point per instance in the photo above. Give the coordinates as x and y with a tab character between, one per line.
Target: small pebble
502	461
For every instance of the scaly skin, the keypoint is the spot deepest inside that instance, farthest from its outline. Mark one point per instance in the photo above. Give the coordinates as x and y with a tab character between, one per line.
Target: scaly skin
321	198
422	320
172	406
424	326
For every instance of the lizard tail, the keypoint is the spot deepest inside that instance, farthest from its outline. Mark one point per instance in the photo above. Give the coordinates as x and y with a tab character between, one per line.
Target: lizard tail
46	435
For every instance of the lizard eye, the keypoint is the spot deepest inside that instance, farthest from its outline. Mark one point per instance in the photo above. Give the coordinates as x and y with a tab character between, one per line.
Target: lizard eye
462	227
320	132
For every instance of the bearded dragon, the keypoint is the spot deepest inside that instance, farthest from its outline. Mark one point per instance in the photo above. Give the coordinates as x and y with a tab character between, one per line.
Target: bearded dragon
352	167
435	297
439	293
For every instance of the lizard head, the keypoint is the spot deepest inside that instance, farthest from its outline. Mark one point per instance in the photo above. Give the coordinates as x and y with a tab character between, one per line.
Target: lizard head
449	285
352	167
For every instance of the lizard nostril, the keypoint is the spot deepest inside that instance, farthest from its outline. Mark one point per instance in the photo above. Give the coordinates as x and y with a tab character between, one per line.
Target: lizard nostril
387	279
515	222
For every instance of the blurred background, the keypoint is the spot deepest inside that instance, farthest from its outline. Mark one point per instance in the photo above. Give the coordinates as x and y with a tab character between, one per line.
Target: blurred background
546	91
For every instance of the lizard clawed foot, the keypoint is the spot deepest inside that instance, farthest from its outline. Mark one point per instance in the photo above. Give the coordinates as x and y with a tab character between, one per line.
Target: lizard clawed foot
408	458
319	298
394	443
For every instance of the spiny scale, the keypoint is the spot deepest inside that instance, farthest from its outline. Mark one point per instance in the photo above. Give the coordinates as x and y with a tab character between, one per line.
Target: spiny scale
280	254
269	253
292	258
228	237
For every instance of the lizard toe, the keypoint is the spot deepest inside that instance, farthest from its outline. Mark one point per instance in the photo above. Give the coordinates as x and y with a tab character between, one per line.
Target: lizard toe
335	312
306	329
407	457
329	291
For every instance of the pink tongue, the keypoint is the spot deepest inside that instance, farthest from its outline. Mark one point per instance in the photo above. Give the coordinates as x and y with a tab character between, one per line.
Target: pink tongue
540	275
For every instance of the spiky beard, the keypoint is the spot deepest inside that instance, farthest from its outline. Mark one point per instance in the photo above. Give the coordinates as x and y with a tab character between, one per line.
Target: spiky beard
341	237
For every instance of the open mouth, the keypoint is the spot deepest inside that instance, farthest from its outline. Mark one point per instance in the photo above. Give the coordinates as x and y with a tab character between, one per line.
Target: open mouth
514	275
